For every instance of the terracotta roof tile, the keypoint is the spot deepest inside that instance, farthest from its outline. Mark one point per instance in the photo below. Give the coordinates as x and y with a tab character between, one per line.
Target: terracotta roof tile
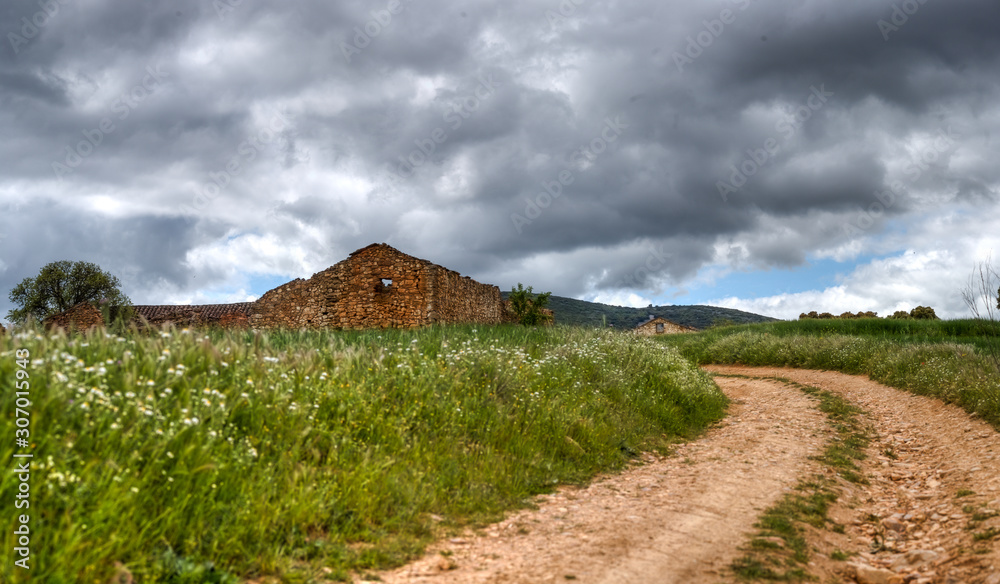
207	311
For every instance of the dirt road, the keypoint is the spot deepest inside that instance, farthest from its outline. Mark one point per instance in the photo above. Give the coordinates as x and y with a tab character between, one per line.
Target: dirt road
930	505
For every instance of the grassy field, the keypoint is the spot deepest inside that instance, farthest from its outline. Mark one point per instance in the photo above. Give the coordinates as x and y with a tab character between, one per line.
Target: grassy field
191	457
949	360
967	331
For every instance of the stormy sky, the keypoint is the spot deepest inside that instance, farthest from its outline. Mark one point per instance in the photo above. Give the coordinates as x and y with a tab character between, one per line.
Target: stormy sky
773	156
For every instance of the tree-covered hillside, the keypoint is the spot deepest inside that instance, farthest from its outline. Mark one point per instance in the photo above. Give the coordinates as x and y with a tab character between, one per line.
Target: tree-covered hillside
594	314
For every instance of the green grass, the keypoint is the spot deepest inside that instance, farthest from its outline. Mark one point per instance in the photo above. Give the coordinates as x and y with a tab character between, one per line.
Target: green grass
853	438
960	331
840	555
212	457
810	501
948	360
986	534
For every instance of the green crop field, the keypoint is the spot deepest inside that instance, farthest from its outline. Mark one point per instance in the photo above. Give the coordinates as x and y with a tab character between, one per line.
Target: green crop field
190	457
953	360
907	331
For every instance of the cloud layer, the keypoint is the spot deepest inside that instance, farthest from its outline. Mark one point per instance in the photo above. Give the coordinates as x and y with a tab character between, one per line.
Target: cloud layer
621	151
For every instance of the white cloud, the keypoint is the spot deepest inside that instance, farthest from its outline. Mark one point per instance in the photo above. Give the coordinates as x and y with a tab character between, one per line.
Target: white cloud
931	272
619	298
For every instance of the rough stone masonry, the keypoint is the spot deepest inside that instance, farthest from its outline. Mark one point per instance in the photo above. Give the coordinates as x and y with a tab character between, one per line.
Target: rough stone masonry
377	286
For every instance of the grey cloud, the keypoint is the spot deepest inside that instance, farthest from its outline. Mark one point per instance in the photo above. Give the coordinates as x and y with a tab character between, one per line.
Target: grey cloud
146	252
321	184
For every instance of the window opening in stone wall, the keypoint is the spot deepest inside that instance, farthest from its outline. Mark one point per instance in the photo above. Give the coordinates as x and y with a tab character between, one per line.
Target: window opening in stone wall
383	285
659	327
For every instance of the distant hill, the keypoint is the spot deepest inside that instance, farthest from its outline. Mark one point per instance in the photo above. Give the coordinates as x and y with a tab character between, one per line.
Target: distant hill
595	314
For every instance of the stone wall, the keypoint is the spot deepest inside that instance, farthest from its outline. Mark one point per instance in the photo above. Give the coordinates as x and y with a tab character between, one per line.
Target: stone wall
382	287
458	298
234	320
80	318
287	305
375	287
378	287
649	328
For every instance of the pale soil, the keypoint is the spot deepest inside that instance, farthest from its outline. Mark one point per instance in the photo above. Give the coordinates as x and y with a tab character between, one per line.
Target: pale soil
911	503
684	518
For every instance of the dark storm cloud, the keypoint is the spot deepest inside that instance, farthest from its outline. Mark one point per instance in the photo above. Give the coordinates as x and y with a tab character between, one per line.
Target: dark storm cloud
145	252
446	129
32	86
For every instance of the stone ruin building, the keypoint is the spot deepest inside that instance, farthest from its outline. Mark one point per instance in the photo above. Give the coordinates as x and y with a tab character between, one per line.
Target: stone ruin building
656	325
377	286
80	317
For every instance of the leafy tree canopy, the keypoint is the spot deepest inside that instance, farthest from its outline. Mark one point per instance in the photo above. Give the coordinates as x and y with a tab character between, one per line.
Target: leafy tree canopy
62	285
528	307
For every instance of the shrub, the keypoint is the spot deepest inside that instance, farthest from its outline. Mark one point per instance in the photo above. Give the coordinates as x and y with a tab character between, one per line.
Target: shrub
528	307
923	313
844	315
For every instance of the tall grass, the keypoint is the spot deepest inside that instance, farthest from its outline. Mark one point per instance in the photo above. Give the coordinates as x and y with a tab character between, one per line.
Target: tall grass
194	457
904	331
905	355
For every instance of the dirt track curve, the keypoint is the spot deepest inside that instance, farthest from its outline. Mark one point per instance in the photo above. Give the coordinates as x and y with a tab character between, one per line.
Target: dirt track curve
931	503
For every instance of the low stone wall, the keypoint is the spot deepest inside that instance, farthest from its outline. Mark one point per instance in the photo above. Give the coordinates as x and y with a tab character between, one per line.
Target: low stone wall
285	306
234	320
457	298
80	317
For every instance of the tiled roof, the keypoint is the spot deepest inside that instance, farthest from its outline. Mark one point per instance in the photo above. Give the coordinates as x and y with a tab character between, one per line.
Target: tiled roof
207	311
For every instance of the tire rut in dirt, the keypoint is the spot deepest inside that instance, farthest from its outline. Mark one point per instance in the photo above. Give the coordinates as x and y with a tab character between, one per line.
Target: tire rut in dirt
931	510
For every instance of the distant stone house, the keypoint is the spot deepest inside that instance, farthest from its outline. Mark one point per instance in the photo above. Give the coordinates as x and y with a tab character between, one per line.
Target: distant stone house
660	326
377	286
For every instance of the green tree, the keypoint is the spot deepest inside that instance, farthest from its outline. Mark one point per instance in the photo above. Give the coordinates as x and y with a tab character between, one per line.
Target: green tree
923	313
62	285
528	308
